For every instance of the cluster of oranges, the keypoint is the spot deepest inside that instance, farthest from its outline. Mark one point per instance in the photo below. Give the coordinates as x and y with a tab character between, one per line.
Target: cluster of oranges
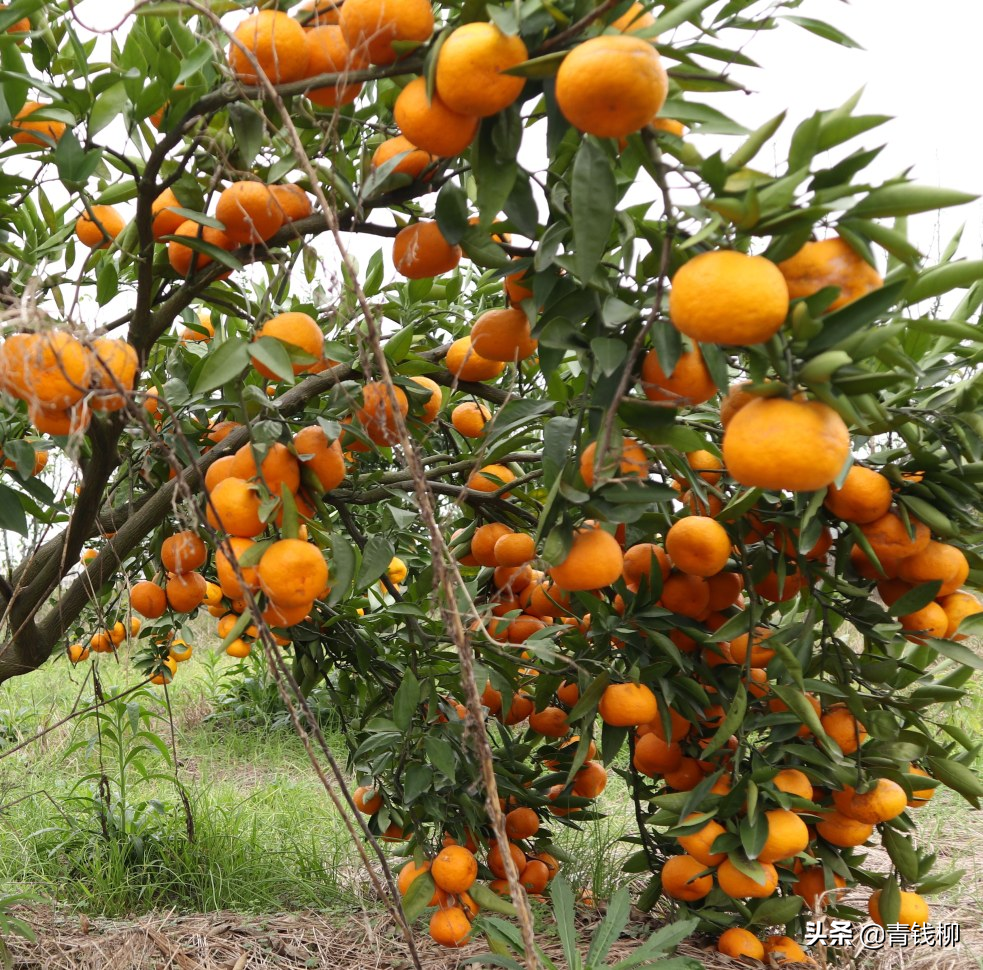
63	378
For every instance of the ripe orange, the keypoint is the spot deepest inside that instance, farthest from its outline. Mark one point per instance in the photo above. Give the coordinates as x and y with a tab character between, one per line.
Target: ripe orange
414	161
21	26
832	262
233	506
114	365
300	332
496	862
957	606
937	561
292	200
738	943
782	949
889	537
864	496
930	621
914	909
640	560
43	133
700	844
686	595
292	572
183	258
793	782
469	419
430	124
590	780
521	823
278	467
170	664
491	478
455	869
323	457
450	927
148	599
886	800
653	756
689	383
465	363
166	220
611	86
484	541
376	414
183	552
409	875
761	655
738	886
185	591
419	251
249	212
725	590
98	226
593	561
698	545
469	69
727	297
787	836
371	26
551	722
503	334
514	549
367	805
535	876
431	407
776	443
681	878
330	53
844	729
625	458
628	705
811	886
56	370
634	19
78	652
845	832
278	43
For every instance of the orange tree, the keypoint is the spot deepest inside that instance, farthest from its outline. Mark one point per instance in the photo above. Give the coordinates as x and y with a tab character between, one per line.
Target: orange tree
644	447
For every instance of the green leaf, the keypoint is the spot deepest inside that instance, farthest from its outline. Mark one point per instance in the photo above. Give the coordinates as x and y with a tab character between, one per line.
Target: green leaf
538	67
754	143
937	280
12	516
776	911
451	211
731	721
956	651
248	128
273	355
906	198
955	775
488	899
608	932
803	710
223	364
901	851
376	556
609	353
593	196
824	30
406	701
343	564
915	599
107	106
440	753
418	896
562	897
681	13
589	699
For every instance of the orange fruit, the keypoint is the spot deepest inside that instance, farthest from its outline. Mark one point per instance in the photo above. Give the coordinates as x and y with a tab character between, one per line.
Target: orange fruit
249	212
727	297
653	756
913	912
738	886
414	161
367	804
323	457
811	886
689	383
843	728
706	465
681	878
330	53
521	823
514	549
699	546
185	591
98	226
183	552
627	705
217	471
180	650
170	664
114	366
611	86
793	782
568	693
845	832
787	836
376	415
278	467
166	220
515	288
535	876
183	258
640	560
409	875
886	800
467	365
429	124
38	132
761	655
864	496
957	606
21	26
78	652
831	262
593	561
625	458
56	370
300	332
922	795
699	844
484	541
937	561
775	443
469	419
431	407
686	595
292	200
739	943
203	330
148	599
278	44
233	506
732	402
449	927
781	949
929	621
491	478
420	251
454	869
590	780
725	590
889	538
504	335
496	861
371	26
469	69
292	573
551	722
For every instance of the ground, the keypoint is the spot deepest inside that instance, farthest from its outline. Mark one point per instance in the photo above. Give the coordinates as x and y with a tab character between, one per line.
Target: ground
271	878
